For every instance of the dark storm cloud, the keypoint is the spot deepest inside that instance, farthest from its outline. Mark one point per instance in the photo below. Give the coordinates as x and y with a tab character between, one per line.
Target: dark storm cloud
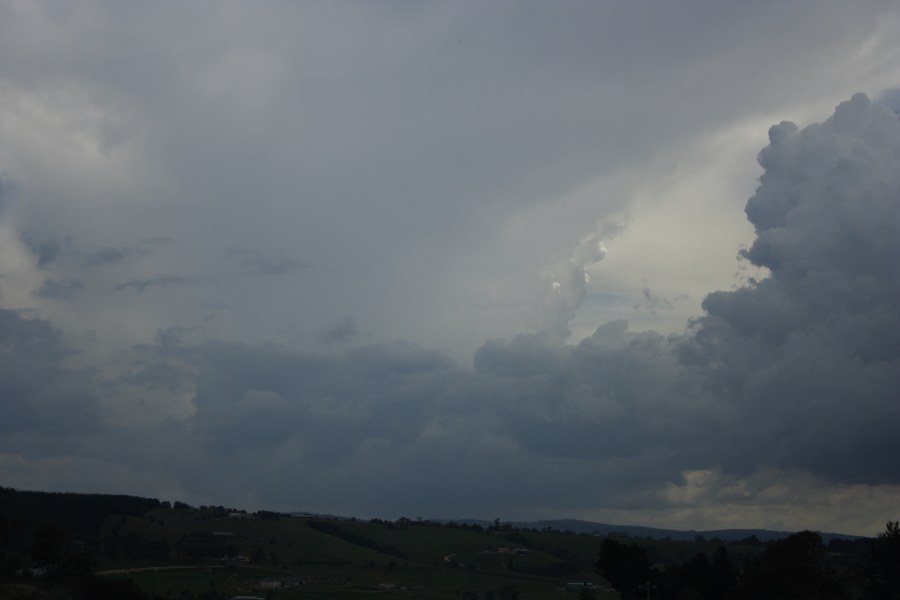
65	289
807	359
158	280
263	396
40	397
604	397
398	424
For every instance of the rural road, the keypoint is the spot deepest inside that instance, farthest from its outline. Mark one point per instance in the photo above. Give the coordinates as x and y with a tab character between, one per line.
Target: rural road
160	568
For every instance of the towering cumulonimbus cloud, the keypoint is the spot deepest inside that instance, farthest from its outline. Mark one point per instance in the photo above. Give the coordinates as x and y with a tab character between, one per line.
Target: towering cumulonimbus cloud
808	359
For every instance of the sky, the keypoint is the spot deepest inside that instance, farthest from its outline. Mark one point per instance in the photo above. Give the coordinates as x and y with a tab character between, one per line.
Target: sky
628	262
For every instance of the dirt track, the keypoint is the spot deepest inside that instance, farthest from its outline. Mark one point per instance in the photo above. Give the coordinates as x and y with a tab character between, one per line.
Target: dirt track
159	568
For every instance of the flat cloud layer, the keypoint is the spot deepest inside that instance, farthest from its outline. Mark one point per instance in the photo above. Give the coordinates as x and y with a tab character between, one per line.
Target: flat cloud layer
212	247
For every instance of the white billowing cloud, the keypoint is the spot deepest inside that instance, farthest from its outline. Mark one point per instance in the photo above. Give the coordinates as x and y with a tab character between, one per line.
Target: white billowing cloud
590	250
566	286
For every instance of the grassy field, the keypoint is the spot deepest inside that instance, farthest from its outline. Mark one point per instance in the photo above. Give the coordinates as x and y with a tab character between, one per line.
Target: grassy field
349	559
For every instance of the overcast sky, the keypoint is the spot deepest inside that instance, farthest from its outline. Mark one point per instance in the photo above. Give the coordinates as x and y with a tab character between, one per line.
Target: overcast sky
634	262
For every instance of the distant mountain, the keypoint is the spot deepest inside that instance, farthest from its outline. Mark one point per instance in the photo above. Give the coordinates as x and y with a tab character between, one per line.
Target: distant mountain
637	531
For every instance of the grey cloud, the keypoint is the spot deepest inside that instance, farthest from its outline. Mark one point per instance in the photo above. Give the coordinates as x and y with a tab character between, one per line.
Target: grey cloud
653	301
615	395
515	432
174	335
330	403
110	255
65	290
258	263
342	331
49	251
891	99
153	241
6	190
23	334
46	251
40	396
502	436
158	280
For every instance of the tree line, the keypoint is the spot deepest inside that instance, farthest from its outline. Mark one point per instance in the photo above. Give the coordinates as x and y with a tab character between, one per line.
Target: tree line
794	568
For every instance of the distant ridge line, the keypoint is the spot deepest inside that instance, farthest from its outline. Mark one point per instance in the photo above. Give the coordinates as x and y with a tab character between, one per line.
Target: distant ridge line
639	531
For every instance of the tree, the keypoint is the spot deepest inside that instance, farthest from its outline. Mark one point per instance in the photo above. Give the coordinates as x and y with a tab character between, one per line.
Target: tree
48	544
699	577
724	575
883	565
624	566
789	569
